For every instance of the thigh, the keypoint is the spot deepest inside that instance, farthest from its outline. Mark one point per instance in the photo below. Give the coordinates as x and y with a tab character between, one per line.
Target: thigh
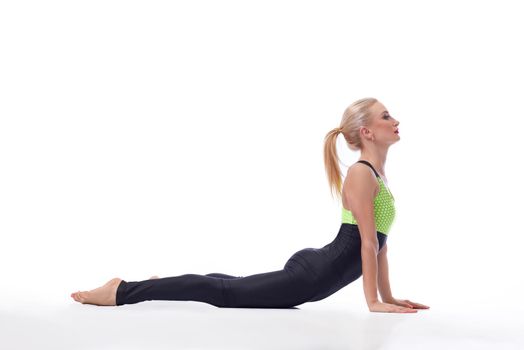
274	289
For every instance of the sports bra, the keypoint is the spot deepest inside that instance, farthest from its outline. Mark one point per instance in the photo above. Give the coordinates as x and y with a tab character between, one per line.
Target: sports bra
384	206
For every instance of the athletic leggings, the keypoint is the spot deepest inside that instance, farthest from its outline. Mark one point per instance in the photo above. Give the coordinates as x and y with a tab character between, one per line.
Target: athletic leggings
311	274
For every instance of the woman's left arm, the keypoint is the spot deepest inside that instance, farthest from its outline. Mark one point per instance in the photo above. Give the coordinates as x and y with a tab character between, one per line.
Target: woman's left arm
383	276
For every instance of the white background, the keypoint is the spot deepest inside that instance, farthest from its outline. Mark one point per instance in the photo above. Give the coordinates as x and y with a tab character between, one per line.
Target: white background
141	138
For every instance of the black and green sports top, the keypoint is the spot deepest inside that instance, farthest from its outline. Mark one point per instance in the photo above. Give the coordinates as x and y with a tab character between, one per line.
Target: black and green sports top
384	206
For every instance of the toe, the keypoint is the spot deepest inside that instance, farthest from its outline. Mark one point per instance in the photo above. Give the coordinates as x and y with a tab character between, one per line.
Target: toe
81	296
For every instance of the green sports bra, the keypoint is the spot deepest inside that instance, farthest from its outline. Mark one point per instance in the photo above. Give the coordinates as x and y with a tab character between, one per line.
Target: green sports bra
384	206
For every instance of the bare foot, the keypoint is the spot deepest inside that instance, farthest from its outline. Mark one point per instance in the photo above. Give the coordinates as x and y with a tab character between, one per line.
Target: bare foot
104	296
153	277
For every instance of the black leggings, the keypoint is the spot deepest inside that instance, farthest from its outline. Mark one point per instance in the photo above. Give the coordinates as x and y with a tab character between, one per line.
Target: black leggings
310	274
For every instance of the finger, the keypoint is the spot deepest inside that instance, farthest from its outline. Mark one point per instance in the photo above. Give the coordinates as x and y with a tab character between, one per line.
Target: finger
399	309
413	303
404	303
405	309
420	306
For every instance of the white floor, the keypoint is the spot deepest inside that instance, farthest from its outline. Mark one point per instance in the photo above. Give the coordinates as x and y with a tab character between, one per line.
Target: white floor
192	325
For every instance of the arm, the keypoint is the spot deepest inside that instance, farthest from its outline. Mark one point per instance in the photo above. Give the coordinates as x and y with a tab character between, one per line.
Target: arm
383	275
361	189
369	271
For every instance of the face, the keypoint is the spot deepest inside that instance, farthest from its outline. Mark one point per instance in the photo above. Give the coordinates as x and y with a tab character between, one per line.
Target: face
383	125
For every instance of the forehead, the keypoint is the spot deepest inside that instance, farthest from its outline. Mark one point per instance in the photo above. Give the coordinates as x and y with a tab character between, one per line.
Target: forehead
377	110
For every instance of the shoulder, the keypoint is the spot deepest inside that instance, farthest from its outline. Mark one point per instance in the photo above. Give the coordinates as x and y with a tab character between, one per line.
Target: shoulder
362	172
361	176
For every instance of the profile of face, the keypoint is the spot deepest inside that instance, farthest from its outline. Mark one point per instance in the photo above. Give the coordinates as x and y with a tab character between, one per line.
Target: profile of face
382	125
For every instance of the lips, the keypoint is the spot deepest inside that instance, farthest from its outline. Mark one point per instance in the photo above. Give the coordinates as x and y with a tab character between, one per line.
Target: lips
396	131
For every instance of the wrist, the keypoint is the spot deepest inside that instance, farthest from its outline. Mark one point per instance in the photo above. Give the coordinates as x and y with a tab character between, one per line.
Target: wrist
372	301
388	299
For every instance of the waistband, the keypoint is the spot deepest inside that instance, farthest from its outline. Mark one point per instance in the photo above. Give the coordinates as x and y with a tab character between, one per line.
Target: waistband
353	228
349	235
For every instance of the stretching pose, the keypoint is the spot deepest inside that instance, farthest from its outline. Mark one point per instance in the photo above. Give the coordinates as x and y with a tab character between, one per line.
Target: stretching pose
311	274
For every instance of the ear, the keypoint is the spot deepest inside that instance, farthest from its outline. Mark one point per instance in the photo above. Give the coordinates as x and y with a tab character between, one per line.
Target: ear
365	132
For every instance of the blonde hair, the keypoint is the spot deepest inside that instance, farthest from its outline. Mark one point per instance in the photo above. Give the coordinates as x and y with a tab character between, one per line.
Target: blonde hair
355	116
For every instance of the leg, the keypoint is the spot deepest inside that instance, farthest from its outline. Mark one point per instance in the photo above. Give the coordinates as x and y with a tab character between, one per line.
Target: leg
192	287
277	289
296	283
221	275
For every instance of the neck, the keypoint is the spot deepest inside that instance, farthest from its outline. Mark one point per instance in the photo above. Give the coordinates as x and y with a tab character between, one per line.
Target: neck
377	158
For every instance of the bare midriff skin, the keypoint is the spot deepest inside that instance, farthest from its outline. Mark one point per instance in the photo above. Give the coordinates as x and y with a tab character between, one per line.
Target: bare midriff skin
103	296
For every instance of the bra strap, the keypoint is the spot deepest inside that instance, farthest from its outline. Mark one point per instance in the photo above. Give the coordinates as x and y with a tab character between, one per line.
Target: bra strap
371	166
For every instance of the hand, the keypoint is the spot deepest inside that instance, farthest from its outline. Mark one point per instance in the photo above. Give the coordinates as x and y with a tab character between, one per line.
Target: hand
406	303
378	306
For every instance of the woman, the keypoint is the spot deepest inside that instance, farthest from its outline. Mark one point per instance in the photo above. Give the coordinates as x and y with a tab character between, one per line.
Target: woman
310	274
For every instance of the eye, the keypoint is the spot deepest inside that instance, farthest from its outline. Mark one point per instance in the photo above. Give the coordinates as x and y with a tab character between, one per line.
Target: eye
386	116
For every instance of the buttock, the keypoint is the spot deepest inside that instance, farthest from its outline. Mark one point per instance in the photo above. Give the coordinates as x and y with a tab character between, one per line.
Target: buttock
312	265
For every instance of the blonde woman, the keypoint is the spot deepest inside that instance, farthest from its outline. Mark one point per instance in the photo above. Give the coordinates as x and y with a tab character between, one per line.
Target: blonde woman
311	274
